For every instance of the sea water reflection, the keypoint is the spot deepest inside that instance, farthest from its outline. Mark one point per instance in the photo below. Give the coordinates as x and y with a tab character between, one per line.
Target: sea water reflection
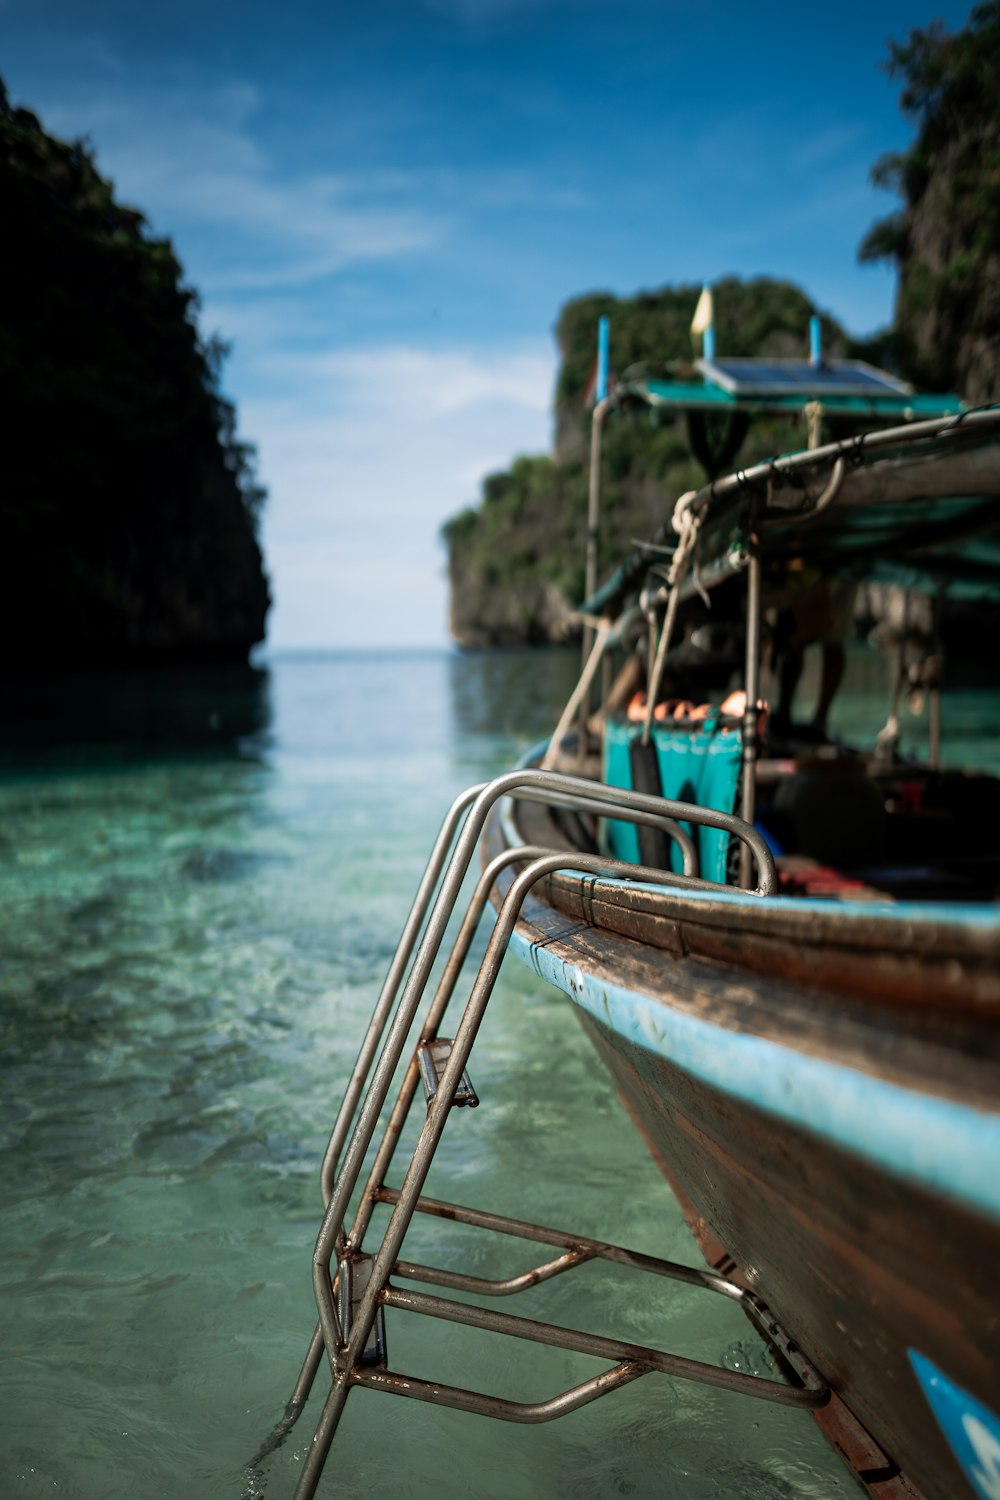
203	878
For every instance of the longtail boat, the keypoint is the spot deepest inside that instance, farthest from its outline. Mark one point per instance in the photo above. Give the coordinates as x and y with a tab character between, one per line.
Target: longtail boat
786	952
817	1071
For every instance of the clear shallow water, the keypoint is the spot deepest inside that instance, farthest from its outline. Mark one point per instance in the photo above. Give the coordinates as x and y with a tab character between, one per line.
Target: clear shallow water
202	882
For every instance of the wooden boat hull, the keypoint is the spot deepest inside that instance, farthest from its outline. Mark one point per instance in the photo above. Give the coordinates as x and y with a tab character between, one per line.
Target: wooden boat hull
860	1266
841	1142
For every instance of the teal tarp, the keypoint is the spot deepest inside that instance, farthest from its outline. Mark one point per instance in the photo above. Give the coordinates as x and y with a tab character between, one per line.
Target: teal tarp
696	765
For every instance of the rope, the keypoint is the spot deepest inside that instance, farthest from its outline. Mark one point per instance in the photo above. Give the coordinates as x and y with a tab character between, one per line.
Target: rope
687	523
813	413
577	696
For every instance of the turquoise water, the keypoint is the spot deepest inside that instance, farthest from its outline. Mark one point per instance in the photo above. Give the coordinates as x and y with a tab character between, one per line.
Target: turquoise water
203	879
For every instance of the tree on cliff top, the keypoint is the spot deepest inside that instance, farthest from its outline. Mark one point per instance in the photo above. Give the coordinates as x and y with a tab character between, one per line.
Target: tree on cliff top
129	505
945	239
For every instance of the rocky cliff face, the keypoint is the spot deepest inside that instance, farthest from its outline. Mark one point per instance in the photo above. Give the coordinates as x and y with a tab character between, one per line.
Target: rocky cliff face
515	562
945	238
948	304
129	508
482	615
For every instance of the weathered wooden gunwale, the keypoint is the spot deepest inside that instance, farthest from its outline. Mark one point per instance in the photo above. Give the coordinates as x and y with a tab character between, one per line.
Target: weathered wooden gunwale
878	953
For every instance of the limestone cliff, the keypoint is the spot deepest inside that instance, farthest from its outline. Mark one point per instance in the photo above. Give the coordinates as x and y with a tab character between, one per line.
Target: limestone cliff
945	237
128	505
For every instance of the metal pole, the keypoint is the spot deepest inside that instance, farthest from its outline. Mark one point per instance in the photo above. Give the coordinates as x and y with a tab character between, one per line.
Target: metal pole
815	342
390	988
594	497
593	533
934	693
750	713
597	423
934	704
579	699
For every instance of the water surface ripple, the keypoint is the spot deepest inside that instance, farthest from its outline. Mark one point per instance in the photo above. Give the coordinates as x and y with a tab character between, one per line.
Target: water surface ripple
203	878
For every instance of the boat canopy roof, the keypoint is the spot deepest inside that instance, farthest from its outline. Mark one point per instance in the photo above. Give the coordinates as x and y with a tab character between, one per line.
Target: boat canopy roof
848	387
917	505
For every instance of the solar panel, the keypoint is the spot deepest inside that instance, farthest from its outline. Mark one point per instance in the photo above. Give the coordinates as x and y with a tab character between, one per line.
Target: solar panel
800	377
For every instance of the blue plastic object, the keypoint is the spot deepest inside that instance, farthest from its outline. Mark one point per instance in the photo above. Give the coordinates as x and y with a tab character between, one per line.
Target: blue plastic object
603	357
699	764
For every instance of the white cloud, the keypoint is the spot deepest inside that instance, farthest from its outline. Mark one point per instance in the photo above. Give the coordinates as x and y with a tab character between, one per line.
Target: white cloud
383	447
372	595
442	382
827	148
192	161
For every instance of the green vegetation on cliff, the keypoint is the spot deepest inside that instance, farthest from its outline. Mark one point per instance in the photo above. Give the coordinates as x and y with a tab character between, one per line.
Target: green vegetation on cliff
753	317
128	505
945	239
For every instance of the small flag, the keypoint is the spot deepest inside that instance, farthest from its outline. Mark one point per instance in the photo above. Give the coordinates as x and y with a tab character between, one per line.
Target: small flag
704	313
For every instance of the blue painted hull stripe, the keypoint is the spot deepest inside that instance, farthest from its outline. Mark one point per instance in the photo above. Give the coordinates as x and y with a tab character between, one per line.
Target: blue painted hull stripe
950	1148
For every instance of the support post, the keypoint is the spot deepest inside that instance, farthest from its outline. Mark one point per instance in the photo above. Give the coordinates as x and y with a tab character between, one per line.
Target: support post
593	530
934	688
750	712
594	507
815	342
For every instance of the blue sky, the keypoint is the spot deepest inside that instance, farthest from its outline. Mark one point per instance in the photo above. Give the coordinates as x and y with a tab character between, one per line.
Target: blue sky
383	206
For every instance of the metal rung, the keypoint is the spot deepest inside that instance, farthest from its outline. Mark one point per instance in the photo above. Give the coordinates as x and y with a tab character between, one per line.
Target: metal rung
805	1389
353	1275
432	1057
801	1385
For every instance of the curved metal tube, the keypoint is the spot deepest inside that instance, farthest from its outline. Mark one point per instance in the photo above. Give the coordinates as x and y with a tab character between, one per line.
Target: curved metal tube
447	895
376	1027
540	785
812	1394
459	1281
673	830
831	491
390	986
499	1406
562	784
343	1356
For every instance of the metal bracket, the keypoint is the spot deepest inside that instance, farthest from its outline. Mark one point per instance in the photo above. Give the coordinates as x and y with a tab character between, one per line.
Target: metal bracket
433	1057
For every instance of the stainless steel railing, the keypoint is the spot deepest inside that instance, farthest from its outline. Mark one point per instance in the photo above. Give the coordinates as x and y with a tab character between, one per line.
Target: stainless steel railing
347	1347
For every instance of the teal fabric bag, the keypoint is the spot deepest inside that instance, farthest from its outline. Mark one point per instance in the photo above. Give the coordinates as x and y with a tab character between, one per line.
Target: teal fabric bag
699	764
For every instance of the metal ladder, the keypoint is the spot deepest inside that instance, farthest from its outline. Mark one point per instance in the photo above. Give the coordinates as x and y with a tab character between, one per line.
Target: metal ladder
352	1297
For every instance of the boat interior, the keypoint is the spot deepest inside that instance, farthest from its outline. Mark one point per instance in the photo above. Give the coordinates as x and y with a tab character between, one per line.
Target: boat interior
842	822
763	567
